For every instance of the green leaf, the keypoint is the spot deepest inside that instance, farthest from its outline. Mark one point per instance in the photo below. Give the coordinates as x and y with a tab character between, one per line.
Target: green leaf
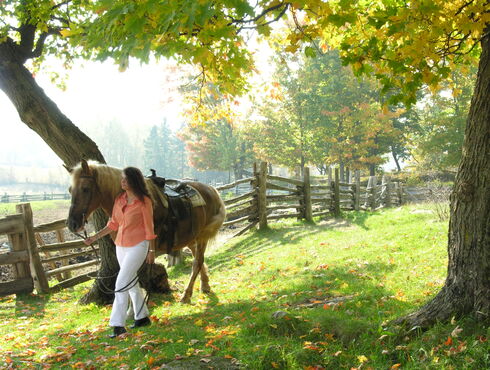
310	52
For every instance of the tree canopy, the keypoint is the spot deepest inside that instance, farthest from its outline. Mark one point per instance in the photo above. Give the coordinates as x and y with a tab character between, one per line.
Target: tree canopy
406	45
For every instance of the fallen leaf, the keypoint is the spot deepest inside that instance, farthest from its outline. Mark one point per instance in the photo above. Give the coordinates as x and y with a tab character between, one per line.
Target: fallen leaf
150	361
362	359
449	341
455	333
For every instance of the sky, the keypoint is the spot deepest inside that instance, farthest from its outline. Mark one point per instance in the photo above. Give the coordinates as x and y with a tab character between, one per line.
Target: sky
139	98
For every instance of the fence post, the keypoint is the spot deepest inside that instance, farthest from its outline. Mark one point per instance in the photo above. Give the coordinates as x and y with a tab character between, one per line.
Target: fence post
21	269
400	193
373	181
262	196
357	191
342	172
336	193
61	239
307	195
388	192
37	271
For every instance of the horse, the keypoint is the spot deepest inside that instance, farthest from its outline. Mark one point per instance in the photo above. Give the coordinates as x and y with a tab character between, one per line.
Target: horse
95	185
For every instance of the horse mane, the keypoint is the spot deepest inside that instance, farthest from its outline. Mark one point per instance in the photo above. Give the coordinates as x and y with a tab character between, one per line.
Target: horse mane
108	178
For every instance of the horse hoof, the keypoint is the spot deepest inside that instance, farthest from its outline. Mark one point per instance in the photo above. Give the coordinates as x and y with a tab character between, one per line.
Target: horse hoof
206	290
185	300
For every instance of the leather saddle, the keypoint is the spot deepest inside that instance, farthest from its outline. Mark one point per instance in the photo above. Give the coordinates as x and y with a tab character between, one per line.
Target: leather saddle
180	207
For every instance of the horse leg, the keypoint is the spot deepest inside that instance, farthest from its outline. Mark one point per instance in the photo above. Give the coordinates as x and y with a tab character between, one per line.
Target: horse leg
205	288
197	265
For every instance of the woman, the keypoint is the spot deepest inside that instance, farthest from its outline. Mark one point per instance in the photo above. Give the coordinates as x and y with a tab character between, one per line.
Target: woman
132	218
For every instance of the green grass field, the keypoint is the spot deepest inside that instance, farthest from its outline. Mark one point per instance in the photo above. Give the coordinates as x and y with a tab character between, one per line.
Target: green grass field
9	208
298	296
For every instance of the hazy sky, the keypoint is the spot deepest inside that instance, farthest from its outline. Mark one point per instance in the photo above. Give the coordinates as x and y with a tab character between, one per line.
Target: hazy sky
96	92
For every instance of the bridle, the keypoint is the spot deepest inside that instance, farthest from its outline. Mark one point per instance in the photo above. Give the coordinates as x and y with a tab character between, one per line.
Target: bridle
95	189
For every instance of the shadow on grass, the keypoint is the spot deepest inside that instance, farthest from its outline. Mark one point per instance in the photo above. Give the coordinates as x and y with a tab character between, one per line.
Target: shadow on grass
260	241
249	328
226	258
23	305
358	218
269	337
265	337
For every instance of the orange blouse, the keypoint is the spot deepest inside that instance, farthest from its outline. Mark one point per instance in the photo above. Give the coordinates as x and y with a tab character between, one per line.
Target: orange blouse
133	222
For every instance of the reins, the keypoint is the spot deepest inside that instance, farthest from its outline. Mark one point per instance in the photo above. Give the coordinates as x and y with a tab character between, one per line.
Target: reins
107	290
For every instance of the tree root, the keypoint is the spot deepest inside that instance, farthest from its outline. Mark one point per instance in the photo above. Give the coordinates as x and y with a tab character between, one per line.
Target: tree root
448	304
157	282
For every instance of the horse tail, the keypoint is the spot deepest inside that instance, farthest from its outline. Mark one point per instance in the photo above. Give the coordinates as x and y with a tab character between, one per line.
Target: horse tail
217	219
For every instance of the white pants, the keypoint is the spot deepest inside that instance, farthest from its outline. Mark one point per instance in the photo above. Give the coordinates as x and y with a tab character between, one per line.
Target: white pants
130	260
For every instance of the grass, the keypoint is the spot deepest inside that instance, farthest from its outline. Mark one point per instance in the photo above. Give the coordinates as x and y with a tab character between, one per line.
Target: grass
9	208
297	296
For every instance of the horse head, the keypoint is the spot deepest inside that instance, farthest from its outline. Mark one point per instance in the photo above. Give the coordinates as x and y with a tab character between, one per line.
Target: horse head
85	196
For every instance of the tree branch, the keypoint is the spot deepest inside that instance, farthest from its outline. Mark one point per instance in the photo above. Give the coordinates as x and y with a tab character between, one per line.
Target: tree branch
464	6
40	42
60	4
261	15
279	16
27	34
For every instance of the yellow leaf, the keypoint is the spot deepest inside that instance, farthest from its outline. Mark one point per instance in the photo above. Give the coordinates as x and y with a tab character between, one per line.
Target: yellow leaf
362	359
66	33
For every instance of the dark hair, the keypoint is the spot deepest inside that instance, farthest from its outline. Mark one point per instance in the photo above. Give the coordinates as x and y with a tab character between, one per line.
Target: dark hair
136	182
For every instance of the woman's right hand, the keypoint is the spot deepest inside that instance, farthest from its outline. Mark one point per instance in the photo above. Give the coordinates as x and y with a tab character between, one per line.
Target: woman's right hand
89	241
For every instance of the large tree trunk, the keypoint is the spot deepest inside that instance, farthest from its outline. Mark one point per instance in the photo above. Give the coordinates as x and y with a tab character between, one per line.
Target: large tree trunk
467	287
42	115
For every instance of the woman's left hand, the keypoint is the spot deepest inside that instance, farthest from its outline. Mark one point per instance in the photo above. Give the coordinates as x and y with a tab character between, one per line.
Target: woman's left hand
150	258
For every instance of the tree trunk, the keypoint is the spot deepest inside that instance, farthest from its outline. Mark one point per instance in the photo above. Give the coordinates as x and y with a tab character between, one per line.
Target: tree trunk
395	158
467	287
372	170
342	171
42	115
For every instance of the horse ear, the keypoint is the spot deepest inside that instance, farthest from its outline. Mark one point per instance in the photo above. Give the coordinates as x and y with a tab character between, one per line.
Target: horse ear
85	167
70	170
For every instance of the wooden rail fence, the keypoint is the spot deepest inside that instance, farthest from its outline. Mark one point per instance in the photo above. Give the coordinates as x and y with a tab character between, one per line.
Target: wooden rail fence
266	198
16	198
35	262
271	197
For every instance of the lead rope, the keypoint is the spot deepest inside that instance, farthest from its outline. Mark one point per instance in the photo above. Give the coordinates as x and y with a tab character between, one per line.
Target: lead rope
99	279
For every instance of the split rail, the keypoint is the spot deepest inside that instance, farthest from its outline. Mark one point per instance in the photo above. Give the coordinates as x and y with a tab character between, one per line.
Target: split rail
270	197
34	262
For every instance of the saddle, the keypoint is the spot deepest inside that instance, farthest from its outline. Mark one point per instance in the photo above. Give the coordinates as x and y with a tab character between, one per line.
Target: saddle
179	205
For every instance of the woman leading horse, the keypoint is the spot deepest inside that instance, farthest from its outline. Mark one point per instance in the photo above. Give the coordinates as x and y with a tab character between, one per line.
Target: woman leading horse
95	185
